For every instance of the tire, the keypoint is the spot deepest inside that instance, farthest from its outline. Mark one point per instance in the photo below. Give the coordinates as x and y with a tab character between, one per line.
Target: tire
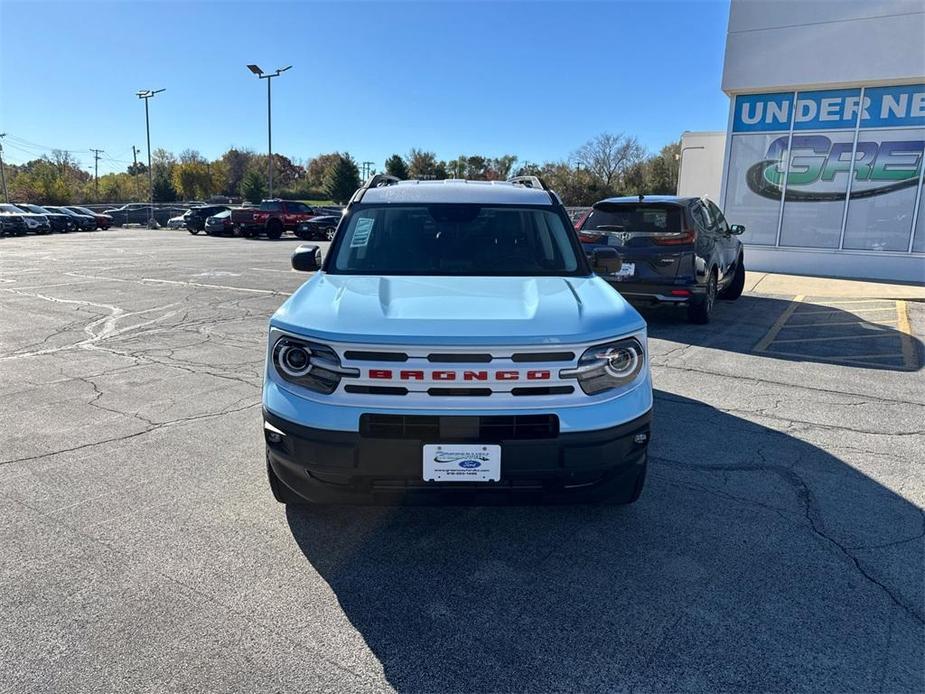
193	231
329	233
281	492
274	229
734	290
699	311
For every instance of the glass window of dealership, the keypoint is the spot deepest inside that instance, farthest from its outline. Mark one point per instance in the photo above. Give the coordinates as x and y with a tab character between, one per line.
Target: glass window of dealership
832	170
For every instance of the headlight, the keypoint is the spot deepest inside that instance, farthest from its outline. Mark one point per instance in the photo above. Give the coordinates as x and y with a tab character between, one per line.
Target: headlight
608	366
309	364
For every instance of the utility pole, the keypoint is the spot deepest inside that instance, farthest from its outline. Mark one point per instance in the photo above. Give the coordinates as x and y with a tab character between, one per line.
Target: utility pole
269	78
135	152
147	94
367	169
6	196
96	173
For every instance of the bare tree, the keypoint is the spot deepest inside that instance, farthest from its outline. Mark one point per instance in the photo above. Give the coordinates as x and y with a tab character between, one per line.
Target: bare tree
608	156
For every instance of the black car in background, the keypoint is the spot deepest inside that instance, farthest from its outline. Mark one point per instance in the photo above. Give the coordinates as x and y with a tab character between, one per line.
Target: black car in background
84	222
674	250
103	221
35	222
197	216
12	224
319	228
62	223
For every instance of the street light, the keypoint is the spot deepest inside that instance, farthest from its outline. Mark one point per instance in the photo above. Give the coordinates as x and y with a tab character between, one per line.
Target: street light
269	78
147	94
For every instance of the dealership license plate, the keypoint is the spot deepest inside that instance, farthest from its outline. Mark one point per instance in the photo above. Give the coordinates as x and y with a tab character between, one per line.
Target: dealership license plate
626	270
448	462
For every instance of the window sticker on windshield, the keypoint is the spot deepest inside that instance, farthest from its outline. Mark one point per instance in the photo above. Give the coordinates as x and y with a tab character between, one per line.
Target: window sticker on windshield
361	233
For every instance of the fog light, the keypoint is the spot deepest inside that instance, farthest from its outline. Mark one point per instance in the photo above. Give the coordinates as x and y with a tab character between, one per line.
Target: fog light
640	438
273	437
273	434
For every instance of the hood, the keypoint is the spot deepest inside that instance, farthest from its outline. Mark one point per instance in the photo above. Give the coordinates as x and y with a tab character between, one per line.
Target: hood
457	310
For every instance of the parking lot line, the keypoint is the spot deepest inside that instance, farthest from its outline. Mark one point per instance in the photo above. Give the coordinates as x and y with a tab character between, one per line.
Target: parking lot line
910	359
842	338
859	321
851	359
836	310
765	341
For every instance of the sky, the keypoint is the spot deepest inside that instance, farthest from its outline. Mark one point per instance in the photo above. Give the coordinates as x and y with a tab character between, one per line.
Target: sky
534	79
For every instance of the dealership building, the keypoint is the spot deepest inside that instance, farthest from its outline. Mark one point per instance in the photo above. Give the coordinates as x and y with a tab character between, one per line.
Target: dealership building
822	158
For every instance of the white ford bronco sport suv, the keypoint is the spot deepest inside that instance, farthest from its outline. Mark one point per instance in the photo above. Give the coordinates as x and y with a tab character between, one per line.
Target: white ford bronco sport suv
456	344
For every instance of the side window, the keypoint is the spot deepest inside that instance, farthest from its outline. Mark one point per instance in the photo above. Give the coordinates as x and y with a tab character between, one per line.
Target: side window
270	206
718	216
698	212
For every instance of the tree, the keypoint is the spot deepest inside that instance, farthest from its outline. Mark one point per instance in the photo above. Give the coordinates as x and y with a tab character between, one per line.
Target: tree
342	179
233	165
608	156
252	187
317	170
396	166
163	188
423	165
192	179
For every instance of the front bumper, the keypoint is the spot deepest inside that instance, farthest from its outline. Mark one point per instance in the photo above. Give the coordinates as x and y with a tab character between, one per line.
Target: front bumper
324	466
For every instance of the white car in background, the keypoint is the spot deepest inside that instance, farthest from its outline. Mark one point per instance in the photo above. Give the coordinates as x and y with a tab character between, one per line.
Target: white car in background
178	222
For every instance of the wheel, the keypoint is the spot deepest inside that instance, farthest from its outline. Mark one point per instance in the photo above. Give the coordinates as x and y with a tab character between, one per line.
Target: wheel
329	233
699	311
274	229
281	492
193	231
734	290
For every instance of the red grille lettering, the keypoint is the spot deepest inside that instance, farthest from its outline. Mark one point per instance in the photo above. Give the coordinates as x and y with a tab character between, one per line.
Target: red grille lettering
538	375
380	373
412	375
444	375
475	375
507	375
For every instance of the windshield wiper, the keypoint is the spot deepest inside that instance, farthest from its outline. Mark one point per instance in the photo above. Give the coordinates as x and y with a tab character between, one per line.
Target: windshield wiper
610	227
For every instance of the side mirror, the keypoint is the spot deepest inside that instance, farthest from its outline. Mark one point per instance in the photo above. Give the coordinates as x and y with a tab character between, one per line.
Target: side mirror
606	261
737	229
306	258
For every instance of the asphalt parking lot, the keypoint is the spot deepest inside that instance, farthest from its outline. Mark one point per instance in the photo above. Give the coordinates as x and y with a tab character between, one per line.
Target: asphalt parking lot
778	545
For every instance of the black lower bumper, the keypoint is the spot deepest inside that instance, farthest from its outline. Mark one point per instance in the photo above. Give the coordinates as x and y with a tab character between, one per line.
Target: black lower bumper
344	467
658	293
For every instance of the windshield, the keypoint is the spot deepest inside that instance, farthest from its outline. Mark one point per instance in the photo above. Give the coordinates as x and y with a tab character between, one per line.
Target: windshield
634	217
11	209
455	240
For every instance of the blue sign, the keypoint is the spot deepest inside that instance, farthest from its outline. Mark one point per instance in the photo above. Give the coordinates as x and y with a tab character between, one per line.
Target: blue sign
830	109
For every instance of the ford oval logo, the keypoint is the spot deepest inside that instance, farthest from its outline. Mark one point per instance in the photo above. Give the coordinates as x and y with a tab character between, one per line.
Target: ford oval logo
469	464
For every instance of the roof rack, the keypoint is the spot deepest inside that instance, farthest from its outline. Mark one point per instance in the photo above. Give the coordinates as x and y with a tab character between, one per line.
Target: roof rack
529	182
374	181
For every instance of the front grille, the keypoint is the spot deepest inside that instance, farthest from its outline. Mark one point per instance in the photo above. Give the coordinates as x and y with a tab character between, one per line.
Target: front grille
543	390
460	358
524	357
437	428
358	355
459	392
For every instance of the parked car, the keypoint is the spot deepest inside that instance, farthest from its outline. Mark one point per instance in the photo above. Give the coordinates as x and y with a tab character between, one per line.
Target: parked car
674	250
36	223
103	220
272	217
84	222
197	216
59	221
220	224
140	213
12	223
320	228
178	222
456	339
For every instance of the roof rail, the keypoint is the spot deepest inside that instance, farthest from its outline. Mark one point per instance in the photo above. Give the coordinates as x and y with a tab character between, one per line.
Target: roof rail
529	182
374	181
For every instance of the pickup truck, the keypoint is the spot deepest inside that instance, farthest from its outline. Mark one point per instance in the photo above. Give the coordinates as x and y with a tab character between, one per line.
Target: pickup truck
272	218
456	343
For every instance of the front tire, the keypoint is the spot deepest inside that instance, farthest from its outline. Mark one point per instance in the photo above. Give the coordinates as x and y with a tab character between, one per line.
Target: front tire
734	290
193	231
329	233
700	310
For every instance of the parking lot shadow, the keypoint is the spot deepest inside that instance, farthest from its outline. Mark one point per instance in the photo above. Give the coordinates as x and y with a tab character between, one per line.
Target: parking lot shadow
753	561
860	333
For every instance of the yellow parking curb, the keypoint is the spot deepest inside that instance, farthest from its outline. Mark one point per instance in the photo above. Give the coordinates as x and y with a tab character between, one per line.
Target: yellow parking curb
902	316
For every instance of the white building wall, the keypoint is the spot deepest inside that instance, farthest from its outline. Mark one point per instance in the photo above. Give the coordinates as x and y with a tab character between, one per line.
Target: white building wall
782	44
701	164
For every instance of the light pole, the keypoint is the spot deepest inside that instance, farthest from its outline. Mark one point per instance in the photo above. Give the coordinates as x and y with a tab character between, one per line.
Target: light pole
147	94
269	78
6	197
